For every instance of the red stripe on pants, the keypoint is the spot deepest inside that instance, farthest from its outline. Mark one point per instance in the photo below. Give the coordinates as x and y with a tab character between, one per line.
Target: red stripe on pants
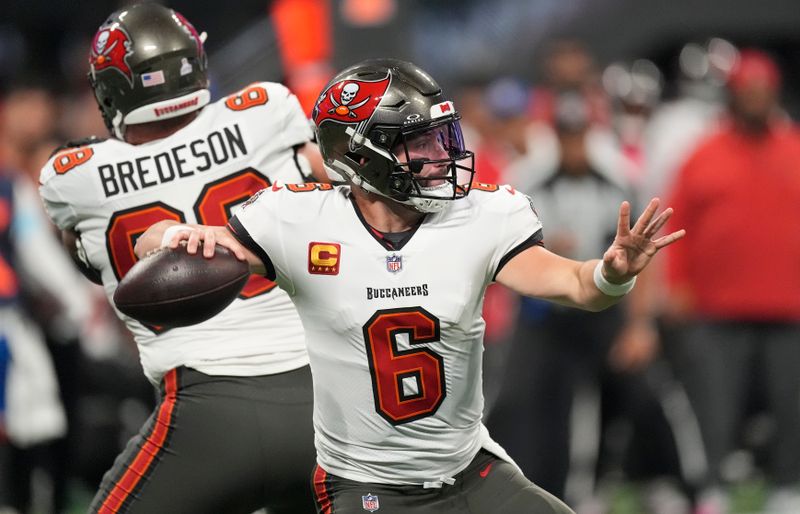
321	490
149	450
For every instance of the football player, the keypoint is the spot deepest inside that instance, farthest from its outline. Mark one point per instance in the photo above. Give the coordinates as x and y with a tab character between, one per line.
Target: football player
232	431
388	274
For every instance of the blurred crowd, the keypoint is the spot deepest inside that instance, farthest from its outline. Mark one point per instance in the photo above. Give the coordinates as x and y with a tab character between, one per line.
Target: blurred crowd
71	388
689	387
686	389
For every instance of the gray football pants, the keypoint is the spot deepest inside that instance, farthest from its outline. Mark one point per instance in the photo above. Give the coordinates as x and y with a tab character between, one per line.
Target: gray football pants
487	486
218	444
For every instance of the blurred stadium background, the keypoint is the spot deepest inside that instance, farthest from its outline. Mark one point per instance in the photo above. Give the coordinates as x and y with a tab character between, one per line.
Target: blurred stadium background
511	66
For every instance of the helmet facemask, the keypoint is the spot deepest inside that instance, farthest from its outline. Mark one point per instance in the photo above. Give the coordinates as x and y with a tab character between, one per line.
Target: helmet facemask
432	167
425	167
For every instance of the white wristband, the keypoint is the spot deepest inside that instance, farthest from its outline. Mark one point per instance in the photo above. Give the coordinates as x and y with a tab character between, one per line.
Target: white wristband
607	287
170	233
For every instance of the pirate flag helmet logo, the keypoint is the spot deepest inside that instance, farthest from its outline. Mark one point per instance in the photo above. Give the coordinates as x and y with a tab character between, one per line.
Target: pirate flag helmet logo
111	48
350	101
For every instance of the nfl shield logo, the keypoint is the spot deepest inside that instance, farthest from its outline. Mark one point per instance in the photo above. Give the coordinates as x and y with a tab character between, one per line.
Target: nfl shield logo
394	263
370	502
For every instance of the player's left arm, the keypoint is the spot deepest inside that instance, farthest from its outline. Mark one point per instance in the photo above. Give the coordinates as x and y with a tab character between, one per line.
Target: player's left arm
540	273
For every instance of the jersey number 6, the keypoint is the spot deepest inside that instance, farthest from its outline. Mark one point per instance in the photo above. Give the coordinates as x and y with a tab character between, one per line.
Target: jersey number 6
408	384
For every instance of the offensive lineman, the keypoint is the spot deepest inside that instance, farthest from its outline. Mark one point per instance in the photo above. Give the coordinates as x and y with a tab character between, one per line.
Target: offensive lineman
232	431
388	275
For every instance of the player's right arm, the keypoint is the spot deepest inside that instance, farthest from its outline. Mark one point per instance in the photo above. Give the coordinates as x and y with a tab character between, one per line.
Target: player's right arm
536	272
209	235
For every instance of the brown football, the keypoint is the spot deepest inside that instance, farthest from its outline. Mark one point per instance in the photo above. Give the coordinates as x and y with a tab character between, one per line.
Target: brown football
172	288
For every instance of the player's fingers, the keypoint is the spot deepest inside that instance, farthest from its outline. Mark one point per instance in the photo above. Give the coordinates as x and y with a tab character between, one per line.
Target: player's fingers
653	228
226	239
174	240
661	242
646	217
193	242
209	243
178	237
624	222
238	251
234	246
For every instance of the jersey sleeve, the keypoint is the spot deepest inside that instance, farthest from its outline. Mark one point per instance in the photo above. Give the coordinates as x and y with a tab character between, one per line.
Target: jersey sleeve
519	227
55	190
257	226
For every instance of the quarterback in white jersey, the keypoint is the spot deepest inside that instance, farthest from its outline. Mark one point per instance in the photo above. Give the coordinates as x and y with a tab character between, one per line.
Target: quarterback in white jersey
395	330
235	390
388	275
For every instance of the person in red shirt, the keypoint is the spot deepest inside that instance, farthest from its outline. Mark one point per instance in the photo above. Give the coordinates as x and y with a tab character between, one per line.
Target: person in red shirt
736	280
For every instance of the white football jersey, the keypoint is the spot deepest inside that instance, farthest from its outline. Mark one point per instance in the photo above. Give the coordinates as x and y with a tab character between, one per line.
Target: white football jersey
111	192
394	334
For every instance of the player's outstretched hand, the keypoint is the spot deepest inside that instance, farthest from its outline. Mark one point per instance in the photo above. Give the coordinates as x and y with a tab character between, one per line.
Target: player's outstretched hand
633	248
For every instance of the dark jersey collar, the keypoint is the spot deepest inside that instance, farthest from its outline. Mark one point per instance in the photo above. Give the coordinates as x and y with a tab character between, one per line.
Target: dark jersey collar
392	241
